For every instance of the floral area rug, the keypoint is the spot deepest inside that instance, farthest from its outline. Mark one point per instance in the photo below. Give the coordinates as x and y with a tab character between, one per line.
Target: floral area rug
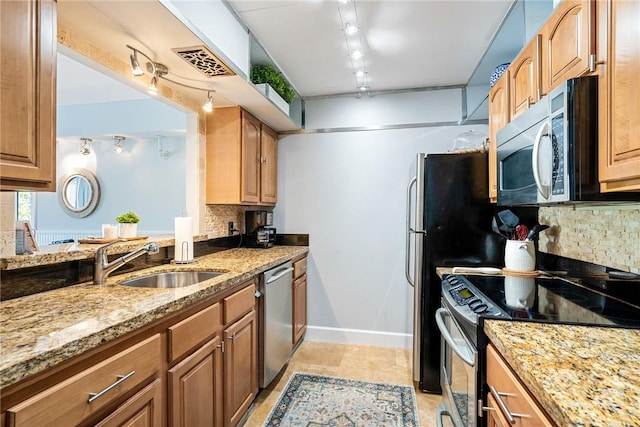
315	401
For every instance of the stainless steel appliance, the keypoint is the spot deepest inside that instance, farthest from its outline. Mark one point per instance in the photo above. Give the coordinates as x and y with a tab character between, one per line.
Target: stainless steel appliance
467	300
260	232
448	224
276	321
549	153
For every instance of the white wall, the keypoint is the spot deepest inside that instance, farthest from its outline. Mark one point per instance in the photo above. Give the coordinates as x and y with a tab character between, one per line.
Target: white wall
347	190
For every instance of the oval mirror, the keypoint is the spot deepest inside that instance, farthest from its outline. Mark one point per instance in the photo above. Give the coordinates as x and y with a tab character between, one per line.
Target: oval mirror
79	193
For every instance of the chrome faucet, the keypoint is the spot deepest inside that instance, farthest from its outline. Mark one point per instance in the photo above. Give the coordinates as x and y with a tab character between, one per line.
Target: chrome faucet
103	267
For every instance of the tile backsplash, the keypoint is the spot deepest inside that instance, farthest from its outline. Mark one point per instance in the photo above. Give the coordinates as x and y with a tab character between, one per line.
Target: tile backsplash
7	223
600	235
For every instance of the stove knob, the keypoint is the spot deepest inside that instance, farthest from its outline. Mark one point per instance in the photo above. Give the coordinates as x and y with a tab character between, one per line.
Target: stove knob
452	280
481	308
474	302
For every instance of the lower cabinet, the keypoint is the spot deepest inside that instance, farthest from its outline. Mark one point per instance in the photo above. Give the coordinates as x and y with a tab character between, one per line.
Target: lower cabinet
240	367
144	409
94	390
299	284
509	402
195	388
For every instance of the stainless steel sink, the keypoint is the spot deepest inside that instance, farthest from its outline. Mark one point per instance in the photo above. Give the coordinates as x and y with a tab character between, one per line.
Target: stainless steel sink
171	279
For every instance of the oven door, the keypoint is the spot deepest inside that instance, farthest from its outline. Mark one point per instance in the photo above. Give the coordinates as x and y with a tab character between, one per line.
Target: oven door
458	371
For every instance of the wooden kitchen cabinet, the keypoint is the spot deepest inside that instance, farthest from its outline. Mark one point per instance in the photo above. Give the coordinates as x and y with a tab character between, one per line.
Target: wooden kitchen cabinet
524	78
28	95
516	397
498	118
240	367
144	409
195	388
567	42
70	402
299	299
618	91
240	159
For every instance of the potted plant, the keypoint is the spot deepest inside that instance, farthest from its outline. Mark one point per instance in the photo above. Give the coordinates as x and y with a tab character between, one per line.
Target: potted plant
128	224
265	77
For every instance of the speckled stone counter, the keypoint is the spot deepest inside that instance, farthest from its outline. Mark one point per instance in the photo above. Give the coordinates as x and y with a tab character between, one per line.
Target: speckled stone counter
45	329
581	375
53	254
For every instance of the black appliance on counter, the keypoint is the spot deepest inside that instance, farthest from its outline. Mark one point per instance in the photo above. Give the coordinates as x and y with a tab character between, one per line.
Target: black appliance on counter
448	224
468	299
260	232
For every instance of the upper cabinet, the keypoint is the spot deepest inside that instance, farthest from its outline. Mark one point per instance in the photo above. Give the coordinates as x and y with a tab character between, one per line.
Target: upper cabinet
28	97
568	41
241	159
524	78
619	91
498	117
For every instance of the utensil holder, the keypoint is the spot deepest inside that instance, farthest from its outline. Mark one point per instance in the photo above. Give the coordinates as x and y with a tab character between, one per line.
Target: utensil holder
520	255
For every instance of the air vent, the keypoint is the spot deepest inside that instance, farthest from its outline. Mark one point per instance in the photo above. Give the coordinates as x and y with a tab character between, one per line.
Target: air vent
204	61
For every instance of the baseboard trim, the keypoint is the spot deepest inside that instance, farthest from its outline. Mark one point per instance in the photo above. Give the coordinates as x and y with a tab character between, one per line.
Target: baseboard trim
358	337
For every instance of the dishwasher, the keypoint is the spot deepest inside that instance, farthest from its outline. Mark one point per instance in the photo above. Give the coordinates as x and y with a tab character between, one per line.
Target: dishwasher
276	330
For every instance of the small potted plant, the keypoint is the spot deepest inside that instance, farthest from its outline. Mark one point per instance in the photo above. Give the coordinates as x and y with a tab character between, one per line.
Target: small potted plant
128	224
268	79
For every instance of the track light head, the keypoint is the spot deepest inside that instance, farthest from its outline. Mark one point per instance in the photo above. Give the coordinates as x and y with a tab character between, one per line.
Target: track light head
136	70
208	106
118	145
85	146
153	87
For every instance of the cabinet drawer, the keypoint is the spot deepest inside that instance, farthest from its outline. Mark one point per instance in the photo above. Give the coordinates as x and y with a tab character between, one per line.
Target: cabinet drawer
516	397
67	403
239	303
185	335
299	267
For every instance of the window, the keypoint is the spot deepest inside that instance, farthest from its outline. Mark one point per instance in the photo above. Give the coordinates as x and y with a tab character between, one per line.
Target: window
25	201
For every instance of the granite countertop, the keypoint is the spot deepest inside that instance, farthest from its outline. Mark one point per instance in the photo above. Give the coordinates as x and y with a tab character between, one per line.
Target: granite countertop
53	254
42	330
581	375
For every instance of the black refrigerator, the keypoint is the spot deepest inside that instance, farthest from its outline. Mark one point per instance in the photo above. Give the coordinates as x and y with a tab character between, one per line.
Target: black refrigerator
448	224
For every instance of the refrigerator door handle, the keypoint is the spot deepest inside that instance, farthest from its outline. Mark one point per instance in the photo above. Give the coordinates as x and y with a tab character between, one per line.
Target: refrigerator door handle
407	264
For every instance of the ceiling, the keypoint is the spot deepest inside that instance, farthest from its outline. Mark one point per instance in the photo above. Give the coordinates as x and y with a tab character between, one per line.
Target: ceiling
407	44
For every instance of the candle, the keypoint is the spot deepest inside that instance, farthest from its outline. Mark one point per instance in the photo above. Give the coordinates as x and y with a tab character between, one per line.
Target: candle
183	239
109	231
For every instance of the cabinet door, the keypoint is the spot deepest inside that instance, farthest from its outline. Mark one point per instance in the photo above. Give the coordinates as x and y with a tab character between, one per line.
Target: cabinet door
498	118
299	308
567	42
250	166
28	95
144	409
524	79
195	388
240	368
619	90
268	166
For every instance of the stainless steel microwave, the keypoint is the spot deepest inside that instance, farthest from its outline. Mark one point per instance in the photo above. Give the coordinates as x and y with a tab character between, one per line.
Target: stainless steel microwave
549	153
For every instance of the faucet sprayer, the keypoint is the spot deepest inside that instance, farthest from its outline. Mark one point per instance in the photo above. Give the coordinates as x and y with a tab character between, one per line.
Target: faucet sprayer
103	267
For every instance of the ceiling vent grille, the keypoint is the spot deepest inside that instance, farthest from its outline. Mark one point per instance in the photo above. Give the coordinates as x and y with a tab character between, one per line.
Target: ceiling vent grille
204	61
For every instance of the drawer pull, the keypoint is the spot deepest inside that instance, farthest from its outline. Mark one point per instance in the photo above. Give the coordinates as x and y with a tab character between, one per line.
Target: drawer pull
502	405
121	378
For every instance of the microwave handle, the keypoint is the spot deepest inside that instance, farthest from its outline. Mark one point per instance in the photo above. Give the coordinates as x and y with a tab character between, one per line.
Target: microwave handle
542	132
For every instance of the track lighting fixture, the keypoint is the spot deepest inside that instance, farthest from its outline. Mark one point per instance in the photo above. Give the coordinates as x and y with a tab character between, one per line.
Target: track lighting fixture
355	42
85	146
208	106
118	144
350	29
160	71
164	154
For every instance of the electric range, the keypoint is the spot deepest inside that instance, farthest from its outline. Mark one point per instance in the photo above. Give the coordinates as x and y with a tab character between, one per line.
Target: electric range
543	298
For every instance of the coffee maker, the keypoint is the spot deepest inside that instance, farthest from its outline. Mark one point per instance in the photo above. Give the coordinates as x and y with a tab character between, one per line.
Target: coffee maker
259	229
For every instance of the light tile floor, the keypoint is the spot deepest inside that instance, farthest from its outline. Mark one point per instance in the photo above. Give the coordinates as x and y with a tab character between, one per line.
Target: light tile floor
377	364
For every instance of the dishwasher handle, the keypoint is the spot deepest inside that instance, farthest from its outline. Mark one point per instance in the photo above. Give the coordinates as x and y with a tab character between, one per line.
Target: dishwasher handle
279	274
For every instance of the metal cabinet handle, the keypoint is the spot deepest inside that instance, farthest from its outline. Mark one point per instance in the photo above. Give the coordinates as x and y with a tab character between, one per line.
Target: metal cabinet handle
511	416
121	379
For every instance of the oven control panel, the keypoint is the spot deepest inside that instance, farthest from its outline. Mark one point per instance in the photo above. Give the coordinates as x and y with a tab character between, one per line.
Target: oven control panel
467	300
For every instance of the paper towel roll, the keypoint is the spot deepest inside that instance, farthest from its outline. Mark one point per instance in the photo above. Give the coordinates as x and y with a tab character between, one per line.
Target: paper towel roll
184	239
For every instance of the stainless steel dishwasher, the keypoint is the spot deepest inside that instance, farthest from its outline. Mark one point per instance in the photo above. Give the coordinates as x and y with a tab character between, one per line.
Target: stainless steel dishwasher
276	321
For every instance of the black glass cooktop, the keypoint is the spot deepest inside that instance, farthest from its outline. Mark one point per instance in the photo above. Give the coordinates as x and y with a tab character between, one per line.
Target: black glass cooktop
557	300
